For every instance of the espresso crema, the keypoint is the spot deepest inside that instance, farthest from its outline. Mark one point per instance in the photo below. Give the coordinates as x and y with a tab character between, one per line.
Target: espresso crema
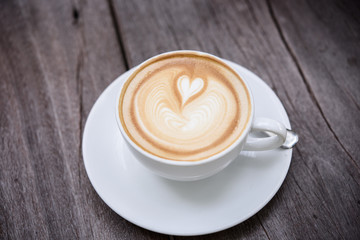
184	106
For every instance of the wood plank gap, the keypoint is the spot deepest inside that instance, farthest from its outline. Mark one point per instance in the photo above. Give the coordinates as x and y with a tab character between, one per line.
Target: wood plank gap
306	82
115	21
267	235
79	81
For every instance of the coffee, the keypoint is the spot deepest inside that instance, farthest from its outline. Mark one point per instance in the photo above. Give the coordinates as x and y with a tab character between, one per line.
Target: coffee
184	106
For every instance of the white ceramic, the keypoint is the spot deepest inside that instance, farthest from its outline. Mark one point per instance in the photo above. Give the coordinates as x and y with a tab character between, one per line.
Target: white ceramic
182	208
195	170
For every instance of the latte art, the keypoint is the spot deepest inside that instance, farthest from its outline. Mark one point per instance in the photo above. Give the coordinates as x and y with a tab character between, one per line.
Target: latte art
184	108
187	121
186	89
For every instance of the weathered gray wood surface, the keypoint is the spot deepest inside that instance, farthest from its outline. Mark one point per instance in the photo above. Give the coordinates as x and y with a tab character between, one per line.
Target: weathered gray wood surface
56	57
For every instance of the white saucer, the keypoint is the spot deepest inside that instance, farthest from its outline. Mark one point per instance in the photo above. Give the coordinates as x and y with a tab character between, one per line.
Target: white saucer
182	208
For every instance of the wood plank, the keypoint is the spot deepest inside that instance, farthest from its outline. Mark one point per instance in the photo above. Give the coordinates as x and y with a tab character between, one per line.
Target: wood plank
326	46
321	38
55	59
320	197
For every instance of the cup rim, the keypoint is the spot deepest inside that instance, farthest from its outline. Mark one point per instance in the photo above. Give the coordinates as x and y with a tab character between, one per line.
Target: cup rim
219	155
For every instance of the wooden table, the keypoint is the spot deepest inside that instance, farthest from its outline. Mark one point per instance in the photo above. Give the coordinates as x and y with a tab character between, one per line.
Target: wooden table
56	57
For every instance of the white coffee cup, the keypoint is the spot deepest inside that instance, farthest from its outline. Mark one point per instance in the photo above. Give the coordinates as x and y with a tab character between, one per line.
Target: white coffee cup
195	170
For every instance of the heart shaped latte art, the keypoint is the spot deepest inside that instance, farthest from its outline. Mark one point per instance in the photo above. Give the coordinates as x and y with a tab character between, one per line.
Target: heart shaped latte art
195	116
197	111
188	89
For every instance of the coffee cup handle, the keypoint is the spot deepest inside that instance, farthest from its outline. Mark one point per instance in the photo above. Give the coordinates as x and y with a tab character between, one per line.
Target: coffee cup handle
276	129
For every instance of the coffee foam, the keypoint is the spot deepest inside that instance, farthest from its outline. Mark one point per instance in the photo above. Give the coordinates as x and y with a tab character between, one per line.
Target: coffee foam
184	107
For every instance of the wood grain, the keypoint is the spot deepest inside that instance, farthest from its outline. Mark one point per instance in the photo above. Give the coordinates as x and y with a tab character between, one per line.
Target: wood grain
320	197
325	44
56	57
